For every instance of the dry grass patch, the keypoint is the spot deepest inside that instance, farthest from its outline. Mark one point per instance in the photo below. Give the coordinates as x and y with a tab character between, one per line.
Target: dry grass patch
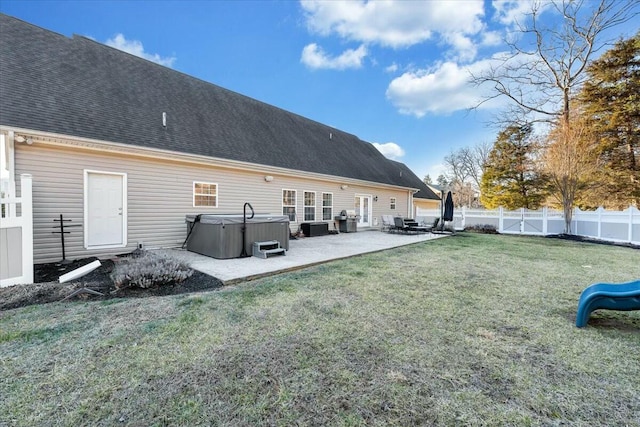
470	330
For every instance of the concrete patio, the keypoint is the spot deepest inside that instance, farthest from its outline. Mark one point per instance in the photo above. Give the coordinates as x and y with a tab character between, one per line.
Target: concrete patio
302	253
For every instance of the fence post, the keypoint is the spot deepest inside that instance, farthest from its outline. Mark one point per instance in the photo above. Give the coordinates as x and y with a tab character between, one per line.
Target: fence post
500	220
27	227
463	222
599	210
630	231
545	218
10	209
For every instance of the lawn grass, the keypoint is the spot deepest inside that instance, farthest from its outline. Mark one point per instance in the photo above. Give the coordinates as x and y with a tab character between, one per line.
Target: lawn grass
467	330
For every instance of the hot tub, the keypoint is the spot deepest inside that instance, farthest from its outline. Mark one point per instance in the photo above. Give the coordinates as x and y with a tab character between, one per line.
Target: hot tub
220	236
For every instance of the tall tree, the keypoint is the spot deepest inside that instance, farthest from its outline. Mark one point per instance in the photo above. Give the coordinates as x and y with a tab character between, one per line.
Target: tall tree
442	181
510	176
546	63
570	164
611	101
465	167
427	179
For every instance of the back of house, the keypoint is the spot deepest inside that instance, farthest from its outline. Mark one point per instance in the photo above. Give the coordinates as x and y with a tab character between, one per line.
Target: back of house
124	149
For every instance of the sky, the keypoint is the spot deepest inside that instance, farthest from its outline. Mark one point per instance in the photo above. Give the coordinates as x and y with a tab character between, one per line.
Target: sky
394	73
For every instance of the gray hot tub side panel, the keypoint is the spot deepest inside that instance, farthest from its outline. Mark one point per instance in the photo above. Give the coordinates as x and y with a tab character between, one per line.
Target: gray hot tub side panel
220	236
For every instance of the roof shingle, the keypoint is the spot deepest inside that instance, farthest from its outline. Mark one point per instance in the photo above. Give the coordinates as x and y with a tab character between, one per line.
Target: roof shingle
78	87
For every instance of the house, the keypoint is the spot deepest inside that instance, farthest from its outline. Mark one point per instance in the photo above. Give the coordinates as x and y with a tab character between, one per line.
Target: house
432	204
124	148
427	197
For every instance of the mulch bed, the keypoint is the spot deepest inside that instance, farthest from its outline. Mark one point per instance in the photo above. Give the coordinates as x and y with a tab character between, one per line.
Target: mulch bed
585	239
47	288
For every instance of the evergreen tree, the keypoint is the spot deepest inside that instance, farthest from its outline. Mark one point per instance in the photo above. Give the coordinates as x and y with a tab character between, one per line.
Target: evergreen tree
510	178
611	101
442	181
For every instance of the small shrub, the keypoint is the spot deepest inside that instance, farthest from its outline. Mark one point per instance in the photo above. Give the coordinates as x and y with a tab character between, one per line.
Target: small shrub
149	270
482	228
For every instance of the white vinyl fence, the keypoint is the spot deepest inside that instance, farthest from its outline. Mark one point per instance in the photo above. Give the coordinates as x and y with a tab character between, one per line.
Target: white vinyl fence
16	234
615	226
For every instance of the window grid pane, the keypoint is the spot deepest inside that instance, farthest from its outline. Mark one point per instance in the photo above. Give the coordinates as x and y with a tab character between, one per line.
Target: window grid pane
288	197
289	204
327	206
309	206
205	194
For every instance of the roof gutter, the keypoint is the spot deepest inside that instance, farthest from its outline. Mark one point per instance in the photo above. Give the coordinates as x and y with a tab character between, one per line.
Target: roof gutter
53	139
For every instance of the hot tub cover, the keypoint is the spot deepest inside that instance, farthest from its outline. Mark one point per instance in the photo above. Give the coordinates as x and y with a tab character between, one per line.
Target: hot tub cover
224	236
236	218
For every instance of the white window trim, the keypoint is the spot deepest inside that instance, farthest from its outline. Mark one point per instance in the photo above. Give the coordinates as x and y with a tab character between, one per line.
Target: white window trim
393	203
330	207
193	194
295	202
86	209
304	206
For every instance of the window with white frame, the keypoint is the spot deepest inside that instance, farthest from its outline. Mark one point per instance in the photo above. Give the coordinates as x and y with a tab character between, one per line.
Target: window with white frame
327	206
309	205
289	204
205	194
392	204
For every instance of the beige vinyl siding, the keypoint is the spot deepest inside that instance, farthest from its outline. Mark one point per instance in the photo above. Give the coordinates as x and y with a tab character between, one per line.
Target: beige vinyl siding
160	194
425	204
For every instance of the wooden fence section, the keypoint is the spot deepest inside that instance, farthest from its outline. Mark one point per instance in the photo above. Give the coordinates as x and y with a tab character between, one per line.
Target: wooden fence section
615	226
16	235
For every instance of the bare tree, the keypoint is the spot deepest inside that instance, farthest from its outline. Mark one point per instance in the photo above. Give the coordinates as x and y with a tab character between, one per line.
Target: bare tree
464	169
570	162
455	168
474	159
546	64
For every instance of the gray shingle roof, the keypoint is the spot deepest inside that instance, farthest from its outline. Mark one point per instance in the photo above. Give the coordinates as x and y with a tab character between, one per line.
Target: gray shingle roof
78	87
424	192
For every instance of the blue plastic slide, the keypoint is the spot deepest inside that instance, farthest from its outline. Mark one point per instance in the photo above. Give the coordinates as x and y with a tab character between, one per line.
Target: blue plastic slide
608	296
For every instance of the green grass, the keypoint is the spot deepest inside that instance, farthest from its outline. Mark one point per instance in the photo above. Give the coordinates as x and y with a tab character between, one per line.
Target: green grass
468	330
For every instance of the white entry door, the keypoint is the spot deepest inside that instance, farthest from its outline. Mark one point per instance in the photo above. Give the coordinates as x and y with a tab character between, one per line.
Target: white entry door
105	209
363	210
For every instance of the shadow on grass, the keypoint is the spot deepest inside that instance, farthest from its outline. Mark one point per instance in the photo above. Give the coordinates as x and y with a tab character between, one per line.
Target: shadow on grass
619	322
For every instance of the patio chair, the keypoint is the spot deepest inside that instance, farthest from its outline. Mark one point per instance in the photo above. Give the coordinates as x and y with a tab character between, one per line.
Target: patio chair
400	226
387	222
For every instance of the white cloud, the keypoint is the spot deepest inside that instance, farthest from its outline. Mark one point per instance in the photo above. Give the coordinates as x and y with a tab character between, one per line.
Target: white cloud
397	24
390	150
315	57
509	12
464	48
491	38
441	90
513	12
435	170
136	48
391	68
